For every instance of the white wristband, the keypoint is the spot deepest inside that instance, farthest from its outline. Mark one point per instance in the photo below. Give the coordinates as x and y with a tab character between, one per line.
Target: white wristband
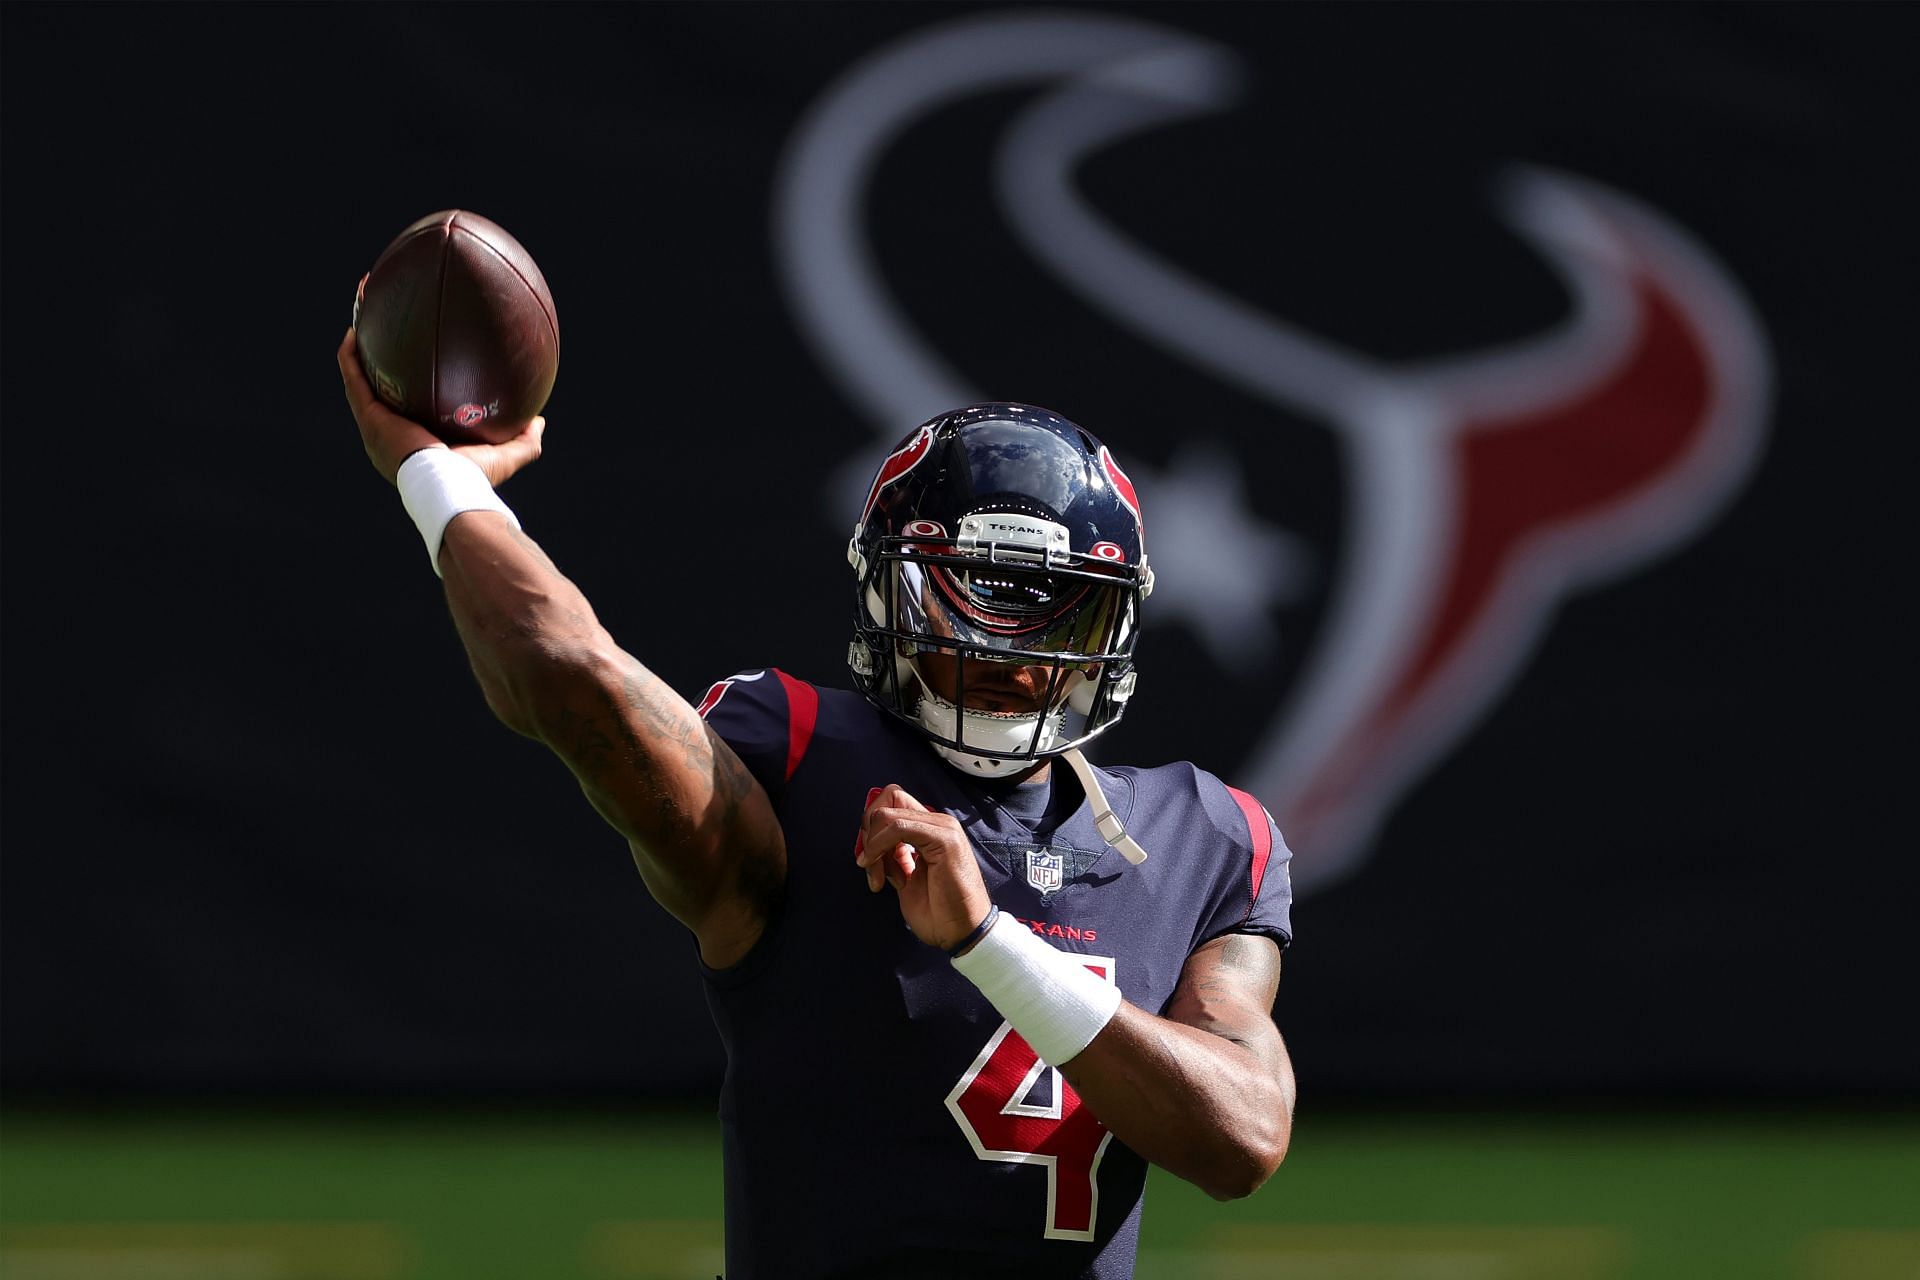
438	484
1049	996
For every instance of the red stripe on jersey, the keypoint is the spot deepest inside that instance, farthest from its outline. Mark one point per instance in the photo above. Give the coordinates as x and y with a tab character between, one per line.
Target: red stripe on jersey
1258	826
803	710
712	698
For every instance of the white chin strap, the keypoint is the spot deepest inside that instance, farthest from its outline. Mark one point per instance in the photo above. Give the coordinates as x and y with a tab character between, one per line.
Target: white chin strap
1105	821
995	730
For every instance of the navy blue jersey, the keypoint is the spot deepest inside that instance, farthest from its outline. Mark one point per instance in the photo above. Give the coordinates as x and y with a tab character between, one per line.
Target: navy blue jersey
880	1118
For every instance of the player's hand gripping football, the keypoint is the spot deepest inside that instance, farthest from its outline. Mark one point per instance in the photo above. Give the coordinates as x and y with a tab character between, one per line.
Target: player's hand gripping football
390	438
926	856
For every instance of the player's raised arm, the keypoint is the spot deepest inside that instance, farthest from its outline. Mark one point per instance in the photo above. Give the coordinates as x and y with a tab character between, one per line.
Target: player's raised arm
701	829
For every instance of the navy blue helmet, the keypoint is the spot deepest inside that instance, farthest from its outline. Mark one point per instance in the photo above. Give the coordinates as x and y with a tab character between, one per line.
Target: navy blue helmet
1004	533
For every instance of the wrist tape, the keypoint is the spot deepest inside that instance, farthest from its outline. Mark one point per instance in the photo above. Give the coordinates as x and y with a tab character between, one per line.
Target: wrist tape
1051	998
438	484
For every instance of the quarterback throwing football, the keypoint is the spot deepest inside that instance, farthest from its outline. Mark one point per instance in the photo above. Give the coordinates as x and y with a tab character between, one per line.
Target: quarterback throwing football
1086	976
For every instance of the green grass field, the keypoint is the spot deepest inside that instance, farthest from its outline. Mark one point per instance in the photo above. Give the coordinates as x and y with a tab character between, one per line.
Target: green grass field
636	1196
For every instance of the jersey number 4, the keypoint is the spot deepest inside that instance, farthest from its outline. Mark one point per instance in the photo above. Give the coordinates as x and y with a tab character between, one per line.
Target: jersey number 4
1016	1108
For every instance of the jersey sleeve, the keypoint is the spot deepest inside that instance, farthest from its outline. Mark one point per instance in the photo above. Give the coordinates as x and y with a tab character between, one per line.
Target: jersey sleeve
1254	892
767	717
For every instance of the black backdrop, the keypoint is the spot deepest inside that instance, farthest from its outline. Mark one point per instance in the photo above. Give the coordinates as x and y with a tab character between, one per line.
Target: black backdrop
260	833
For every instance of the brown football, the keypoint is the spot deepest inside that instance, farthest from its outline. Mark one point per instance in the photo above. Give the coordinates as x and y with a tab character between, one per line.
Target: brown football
457	329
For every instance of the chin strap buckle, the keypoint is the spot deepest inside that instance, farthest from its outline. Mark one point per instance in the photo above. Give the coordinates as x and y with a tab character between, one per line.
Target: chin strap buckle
1105	821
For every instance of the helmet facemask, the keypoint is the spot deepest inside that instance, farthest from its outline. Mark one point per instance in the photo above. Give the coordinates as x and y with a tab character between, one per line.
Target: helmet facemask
1023	600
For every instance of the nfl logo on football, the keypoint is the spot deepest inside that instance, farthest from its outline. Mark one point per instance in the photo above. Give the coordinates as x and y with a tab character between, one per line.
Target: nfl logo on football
1045	869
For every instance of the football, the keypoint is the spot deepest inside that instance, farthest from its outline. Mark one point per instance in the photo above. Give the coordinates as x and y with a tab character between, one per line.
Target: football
457	330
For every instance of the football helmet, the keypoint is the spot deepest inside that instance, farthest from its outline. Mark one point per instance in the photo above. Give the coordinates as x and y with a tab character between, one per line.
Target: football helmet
999	533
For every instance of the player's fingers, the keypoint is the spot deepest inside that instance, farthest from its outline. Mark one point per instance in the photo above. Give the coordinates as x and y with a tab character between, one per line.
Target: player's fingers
860	838
897	796
904	859
860	832
926	841
871	863
353	373
887	857
888	837
360	392
500	461
351	378
887	846
367	408
877	864
939	835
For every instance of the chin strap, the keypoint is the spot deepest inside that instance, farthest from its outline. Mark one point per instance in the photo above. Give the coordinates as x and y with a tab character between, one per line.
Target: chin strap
1104	819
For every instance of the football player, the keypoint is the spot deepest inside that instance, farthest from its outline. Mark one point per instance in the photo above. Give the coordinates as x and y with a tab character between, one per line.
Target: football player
1085	980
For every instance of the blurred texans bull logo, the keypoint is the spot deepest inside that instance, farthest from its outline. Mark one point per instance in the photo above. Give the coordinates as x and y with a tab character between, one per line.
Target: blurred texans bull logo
1480	489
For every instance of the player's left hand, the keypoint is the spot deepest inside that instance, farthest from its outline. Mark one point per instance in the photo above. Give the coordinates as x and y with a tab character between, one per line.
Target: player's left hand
926	856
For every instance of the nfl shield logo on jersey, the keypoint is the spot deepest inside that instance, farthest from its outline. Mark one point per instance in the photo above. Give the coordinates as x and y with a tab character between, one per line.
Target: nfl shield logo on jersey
1046	870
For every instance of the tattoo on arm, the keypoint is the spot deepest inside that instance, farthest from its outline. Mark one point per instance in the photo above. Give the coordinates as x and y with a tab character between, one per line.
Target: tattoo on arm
1228	988
623	748
700	829
732	782
624	744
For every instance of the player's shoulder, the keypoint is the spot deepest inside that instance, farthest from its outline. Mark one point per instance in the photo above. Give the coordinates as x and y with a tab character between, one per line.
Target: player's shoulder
1198	795
768	699
1225	844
